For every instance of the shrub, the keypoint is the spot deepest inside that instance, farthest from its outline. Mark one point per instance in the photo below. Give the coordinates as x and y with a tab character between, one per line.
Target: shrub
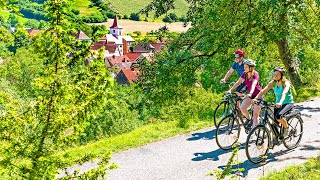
135	16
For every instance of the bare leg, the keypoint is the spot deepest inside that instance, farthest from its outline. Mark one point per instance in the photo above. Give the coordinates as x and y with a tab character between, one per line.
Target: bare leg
255	116
244	107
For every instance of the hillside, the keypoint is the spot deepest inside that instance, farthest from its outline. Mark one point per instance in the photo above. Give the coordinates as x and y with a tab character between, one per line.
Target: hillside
134	6
131	26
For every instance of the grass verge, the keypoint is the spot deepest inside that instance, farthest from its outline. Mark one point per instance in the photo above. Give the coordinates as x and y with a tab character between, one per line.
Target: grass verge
152	132
146	134
307	170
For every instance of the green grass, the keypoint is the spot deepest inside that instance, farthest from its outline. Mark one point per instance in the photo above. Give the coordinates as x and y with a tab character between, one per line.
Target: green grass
134	6
307	170
83	7
6	16
146	134
306	93
152	132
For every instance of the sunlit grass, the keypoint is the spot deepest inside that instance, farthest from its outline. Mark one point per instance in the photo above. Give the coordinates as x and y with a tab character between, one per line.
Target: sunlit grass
83	7
308	170
146	134
134	6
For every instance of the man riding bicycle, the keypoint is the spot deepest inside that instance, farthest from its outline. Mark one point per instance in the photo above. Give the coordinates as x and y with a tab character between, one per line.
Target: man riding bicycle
238	65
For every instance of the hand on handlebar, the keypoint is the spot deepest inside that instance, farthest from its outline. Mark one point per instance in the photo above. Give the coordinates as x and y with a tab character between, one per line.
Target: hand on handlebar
228	92
278	105
222	81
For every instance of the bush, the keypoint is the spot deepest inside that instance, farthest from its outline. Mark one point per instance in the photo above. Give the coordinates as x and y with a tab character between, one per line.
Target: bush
182	18
125	17
75	11
173	17
167	19
135	16
138	33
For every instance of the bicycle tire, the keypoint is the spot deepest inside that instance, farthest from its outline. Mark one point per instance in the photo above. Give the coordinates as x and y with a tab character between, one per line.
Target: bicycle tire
231	128
225	105
293	133
256	138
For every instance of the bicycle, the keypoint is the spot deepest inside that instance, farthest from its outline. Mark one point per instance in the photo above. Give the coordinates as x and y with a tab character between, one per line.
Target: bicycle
224	108
260	139
228	129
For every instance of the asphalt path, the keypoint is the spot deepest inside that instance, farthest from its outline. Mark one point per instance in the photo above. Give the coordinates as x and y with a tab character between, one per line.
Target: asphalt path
194	155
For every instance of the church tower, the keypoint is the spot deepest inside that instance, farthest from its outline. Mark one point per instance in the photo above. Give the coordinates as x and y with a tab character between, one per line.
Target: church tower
116	29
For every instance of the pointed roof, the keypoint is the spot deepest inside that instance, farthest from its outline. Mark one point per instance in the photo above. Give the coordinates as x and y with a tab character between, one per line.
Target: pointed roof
81	36
115	23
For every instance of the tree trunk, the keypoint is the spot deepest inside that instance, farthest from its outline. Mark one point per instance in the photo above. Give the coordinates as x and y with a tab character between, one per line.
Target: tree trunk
288	61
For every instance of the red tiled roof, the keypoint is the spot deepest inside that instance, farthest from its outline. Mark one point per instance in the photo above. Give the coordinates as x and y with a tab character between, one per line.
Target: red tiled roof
117	59
96	46
111	47
133	56
115	23
157	46
131	75
33	32
81	36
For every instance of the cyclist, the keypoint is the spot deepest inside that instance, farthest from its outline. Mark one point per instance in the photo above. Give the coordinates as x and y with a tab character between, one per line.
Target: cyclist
283	93
238	65
250	78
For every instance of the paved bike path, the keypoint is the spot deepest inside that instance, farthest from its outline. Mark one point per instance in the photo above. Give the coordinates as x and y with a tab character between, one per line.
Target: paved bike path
194	155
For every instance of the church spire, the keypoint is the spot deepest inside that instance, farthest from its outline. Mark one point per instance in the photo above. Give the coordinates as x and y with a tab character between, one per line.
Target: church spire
115	24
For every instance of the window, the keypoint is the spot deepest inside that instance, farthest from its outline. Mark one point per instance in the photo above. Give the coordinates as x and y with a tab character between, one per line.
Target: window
114	31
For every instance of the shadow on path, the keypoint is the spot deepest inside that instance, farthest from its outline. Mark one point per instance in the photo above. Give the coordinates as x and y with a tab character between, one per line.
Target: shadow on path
247	165
209	135
213	155
307	108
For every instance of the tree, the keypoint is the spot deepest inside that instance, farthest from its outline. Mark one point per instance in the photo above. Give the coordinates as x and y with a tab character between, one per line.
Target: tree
21	39
13	20
32	23
219	25
135	16
65	94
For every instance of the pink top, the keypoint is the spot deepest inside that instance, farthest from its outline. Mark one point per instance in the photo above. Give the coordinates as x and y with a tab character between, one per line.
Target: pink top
248	83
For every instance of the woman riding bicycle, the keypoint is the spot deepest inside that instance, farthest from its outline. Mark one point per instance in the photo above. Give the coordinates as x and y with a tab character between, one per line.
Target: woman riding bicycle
283	93
251	79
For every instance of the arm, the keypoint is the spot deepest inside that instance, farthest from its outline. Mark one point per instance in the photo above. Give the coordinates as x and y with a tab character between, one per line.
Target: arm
226	77
240	81
254	83
285	91
265	90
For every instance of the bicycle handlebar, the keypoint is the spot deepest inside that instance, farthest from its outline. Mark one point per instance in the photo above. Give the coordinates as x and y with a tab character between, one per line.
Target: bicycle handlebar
264	103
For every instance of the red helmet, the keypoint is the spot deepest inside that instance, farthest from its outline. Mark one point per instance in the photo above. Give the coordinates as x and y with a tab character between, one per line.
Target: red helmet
240	52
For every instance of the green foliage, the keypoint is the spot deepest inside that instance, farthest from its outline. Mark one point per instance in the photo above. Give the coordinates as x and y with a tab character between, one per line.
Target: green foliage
135	16
13	20
32	23
57	96
21	39
119	114
308	170
228	170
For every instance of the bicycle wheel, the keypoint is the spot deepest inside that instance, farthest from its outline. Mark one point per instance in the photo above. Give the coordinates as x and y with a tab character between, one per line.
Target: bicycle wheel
295	131
257	144
227	132
221	111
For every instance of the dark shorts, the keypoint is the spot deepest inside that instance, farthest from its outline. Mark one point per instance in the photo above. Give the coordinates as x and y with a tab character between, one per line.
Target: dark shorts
241	88
279	112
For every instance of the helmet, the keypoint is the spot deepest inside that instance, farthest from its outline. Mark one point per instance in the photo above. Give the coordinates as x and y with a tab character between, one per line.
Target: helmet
250	62
240	52
280	69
